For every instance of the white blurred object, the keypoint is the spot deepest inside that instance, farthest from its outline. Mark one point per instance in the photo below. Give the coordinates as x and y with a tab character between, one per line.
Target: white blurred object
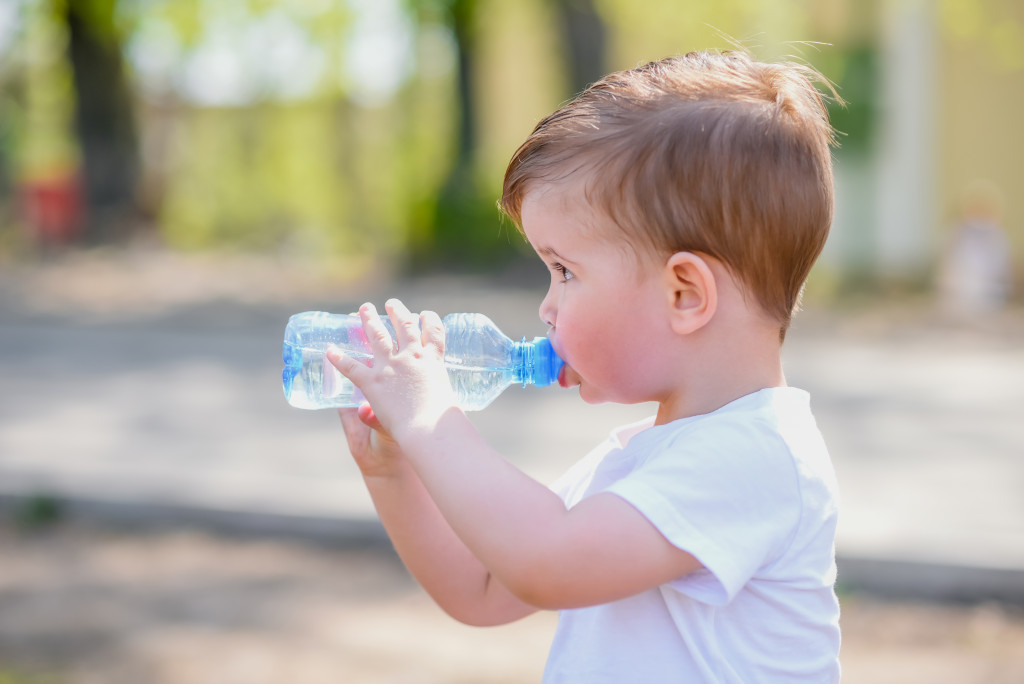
975	275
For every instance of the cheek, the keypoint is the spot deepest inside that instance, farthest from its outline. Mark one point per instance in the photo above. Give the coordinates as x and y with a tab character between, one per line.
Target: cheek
609	351
590	339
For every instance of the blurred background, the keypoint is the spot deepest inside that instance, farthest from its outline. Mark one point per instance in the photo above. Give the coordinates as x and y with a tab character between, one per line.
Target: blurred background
376	133
178	176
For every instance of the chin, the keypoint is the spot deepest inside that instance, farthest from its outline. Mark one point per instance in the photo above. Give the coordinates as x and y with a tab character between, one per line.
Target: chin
592	397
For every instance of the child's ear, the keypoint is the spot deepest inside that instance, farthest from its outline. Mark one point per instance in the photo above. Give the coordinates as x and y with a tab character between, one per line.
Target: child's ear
692	292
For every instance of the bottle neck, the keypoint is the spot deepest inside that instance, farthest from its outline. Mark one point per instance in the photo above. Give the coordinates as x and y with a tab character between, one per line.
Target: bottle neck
535	362
522	362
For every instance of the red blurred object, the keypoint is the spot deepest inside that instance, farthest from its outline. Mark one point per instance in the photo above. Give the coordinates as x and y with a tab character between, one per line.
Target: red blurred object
53	208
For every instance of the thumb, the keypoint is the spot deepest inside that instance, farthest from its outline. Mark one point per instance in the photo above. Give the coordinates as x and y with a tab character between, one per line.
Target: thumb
355	421
368	418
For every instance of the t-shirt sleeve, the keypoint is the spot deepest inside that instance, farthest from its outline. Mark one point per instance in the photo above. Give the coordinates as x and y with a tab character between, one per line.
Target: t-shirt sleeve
730	498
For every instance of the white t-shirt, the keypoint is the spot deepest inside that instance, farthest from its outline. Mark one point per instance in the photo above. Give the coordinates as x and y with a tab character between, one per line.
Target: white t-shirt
749	490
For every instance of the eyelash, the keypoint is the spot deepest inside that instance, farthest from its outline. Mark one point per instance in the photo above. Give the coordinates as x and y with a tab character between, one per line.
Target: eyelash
566	274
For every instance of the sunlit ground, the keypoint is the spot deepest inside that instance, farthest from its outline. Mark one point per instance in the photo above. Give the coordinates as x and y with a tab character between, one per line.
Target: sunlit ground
82	605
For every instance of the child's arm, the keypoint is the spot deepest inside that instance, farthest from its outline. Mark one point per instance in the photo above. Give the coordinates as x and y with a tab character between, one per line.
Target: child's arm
432	553
549	557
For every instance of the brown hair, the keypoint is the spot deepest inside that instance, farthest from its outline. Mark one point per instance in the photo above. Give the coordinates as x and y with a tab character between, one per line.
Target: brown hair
707	152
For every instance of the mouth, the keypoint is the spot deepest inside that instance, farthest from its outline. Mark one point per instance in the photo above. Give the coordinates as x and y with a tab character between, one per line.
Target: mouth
567	377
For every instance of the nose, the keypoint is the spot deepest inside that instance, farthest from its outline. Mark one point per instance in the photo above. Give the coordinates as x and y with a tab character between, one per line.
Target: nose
548	308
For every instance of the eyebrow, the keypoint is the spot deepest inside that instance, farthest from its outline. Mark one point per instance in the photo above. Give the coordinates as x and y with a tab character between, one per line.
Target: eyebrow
550	252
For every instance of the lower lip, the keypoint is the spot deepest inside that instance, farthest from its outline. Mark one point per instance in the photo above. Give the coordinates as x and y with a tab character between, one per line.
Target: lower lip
565	381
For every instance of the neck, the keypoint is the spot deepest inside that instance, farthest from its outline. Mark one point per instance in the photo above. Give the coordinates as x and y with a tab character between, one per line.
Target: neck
733	364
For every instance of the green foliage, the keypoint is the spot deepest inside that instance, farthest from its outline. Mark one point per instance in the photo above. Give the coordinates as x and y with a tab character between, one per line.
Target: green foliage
316	175
100	18
654	30
465	230
323	172
40	98
854	72
993	27
255	178
184	17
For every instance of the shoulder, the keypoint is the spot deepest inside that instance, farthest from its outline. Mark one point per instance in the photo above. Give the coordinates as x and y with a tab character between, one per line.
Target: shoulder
762	427
762	451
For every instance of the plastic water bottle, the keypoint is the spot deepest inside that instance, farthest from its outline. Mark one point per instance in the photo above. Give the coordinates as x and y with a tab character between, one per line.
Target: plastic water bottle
480	359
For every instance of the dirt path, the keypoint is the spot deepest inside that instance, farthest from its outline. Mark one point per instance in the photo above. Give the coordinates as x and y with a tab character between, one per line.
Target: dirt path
82	605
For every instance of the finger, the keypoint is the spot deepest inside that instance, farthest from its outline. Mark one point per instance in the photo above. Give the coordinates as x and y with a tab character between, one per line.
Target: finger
432	328
368	418
347	366
406	324
355	420
377	336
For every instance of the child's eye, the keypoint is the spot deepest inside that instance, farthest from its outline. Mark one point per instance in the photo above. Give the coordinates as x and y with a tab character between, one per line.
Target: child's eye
566	273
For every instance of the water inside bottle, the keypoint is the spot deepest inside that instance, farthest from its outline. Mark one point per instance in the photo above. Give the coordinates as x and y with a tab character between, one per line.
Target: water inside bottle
315	382
475	388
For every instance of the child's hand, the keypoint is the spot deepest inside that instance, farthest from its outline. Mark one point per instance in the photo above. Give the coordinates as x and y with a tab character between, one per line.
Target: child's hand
374	451
407	385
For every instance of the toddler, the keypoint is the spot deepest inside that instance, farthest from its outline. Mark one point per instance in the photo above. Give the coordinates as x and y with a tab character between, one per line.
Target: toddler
679	207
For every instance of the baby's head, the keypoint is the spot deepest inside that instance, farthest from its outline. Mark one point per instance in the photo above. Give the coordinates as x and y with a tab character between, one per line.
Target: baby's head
709	153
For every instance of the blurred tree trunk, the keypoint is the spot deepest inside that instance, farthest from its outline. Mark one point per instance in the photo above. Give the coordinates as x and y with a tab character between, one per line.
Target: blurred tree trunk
467	230
463	17
104	120
585	45
585	41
